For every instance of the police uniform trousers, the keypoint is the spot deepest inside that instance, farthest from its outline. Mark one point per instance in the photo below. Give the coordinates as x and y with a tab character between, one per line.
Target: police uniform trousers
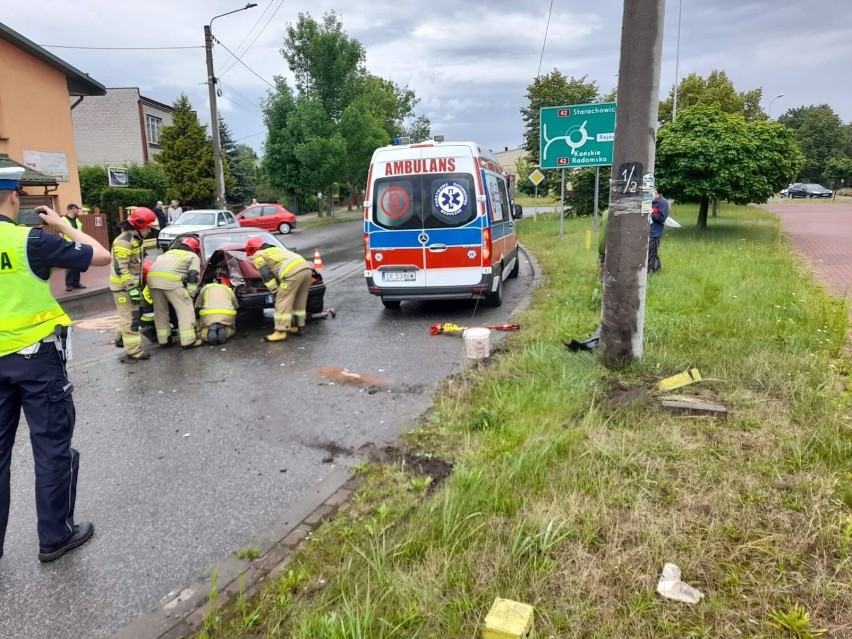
291	300
182	303
38	384
128	323
206	321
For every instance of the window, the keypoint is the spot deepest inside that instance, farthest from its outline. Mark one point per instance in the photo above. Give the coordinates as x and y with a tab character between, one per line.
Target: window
270	210
439	200
251	212
153	126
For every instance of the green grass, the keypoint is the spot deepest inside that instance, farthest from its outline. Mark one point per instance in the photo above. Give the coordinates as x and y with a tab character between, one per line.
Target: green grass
571	502
340	215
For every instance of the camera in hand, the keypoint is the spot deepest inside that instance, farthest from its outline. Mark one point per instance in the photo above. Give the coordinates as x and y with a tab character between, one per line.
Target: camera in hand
29	217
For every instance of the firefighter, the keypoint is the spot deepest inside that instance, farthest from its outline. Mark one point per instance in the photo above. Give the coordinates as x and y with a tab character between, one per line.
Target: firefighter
288	275
124	280
173	279
217	312
146	306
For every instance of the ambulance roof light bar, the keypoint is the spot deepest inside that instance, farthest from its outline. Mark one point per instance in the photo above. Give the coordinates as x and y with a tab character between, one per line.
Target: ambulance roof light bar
401	140
438	138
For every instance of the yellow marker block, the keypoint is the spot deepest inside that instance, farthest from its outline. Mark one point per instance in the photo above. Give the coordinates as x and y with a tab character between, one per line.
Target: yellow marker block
508	619
681	379
588	240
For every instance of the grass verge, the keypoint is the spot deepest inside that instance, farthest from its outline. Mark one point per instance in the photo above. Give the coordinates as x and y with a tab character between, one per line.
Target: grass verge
566	498
340	215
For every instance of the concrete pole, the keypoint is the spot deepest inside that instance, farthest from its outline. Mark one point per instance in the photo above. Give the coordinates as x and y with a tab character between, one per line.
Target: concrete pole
625	265
214	120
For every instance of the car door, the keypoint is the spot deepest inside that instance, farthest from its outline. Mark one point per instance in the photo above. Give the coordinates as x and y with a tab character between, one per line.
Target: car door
251	216
269	218
230	220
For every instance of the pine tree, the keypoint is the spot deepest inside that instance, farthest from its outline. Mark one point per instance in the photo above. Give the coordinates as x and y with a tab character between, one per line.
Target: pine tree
238	163
187	157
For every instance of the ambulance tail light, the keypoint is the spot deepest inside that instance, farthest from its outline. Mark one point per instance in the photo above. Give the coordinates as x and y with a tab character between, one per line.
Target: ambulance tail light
486	246
367	257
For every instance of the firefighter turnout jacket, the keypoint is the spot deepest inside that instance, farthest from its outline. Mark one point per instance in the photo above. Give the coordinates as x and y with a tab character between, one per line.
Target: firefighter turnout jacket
276	264
217	304
176	268
126	270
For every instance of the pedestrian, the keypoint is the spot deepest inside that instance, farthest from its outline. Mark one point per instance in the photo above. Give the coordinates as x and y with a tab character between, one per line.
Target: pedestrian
125	280
253	201
217	314
72	276
173	280
659	213
161	216
33	346
173	212
288	275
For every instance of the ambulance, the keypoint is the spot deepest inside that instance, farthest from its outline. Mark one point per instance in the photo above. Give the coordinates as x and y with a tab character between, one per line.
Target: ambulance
438	224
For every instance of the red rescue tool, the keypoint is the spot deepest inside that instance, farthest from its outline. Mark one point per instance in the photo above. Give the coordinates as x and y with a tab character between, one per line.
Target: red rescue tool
437	329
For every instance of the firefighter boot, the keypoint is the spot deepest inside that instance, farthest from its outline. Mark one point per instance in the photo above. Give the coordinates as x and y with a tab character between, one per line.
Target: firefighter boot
222	334
277	336
294	330
213	334
197	342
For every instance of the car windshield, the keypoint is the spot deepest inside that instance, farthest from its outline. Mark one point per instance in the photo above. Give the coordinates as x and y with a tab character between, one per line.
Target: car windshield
816	187
197	218
212	242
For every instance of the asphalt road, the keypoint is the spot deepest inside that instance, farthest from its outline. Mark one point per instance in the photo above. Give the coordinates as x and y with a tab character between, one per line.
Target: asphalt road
184	457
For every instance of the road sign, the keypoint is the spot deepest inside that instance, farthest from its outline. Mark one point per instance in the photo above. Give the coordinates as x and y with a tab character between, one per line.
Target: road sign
577	136
536	177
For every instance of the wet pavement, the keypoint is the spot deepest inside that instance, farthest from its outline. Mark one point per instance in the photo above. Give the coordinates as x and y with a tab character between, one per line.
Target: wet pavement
186	456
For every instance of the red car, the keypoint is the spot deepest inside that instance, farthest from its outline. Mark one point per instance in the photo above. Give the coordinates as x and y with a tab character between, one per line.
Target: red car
270	217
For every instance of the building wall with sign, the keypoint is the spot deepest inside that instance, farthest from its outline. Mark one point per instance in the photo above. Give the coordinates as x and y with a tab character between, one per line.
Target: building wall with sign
35	116
508	158
119	128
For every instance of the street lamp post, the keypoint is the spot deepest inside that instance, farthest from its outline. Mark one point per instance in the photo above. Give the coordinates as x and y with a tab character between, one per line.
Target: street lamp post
214	114
780	95
677	60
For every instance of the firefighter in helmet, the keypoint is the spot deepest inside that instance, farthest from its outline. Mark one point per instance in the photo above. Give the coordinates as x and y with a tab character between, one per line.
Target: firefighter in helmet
125	279
146	306
173	279
217	312
288	275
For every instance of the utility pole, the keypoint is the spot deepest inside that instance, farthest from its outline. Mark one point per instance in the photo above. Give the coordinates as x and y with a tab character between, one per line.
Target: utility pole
214	113
625	265
214	120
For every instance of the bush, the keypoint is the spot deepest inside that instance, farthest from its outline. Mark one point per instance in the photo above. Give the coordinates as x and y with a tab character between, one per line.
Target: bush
93	182
149	176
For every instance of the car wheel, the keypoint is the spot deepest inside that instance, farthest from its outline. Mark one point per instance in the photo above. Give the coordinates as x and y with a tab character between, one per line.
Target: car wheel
495	299
391	303
284	228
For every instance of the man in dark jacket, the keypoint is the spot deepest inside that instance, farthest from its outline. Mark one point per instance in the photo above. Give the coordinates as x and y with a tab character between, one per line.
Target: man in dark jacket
161	215
659	213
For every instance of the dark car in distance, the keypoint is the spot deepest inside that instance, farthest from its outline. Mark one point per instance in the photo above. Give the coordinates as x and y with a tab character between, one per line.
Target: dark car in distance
807	191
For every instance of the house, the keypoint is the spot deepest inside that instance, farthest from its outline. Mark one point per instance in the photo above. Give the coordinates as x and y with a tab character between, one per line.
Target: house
119	128
36	129
508	158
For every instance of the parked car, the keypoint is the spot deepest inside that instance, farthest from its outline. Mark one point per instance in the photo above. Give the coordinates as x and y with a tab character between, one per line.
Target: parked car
808	190
223	254
785	190
272	217
195	221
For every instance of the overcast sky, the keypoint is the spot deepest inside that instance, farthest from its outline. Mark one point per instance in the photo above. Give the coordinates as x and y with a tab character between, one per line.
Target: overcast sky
469	62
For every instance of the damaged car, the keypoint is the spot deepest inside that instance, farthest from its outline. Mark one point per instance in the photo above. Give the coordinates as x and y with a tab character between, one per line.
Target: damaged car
223	255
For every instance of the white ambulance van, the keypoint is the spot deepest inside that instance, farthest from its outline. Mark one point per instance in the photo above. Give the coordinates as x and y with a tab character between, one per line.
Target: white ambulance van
438	224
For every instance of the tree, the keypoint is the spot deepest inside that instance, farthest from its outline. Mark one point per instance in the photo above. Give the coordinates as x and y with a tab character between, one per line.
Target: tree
238	165
708	154
582	197
838	172
716	89
187	157
553	89
820	134
326	63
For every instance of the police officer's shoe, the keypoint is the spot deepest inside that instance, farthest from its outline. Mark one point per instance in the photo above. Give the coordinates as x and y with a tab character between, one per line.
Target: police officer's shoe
82	533
277	336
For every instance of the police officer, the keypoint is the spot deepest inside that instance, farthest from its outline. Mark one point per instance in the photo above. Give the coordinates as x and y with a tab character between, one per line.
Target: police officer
217	312
288	275
32	368
173	279
125	279
72	276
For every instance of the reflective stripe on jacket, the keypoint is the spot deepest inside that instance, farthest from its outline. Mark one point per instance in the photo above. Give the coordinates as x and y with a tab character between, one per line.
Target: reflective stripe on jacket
218	304
28	310
171	270
126	268
280	262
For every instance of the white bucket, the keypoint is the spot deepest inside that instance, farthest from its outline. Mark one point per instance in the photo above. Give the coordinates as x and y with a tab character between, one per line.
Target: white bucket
477	342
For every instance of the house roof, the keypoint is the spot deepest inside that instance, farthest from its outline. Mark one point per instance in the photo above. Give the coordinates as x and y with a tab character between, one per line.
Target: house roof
31	177
79	83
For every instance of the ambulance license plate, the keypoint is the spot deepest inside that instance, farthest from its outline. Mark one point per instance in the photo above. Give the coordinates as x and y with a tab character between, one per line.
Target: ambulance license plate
268	299
398	276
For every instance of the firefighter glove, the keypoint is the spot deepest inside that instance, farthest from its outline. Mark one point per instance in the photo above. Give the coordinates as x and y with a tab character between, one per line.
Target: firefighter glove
135	295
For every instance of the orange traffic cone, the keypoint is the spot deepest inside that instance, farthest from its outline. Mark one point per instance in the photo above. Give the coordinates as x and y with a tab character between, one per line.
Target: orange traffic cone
318	260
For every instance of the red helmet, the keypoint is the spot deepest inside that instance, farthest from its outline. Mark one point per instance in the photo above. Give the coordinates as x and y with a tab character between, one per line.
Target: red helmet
192	244
142	218
146	267
253	245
